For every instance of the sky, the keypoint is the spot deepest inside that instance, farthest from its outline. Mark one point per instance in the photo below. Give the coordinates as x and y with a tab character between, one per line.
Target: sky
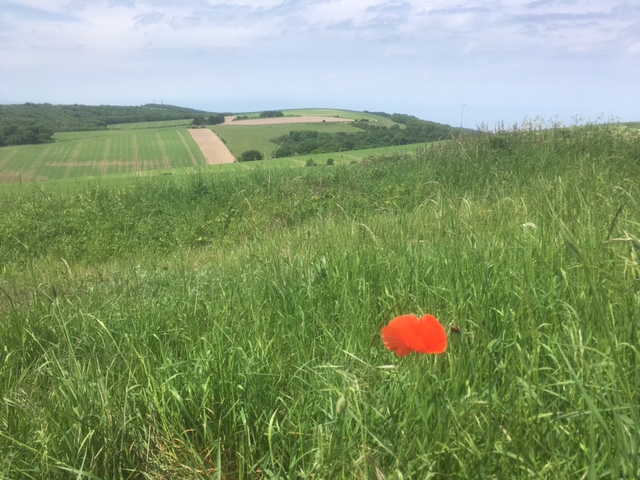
459	62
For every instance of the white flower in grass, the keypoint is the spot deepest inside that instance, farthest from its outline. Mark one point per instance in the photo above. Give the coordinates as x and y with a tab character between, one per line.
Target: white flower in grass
529	225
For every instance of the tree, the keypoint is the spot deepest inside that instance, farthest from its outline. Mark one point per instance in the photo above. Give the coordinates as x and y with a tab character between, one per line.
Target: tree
271	114
216	119
250	156
198	120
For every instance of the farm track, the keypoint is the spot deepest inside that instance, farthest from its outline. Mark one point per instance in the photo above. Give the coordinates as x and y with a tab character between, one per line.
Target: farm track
6	176
31	172
165	158
105	156
71	163
136	161
8	158
184	141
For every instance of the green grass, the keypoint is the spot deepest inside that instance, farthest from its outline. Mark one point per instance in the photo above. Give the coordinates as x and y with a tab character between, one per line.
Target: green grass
240	138
213	326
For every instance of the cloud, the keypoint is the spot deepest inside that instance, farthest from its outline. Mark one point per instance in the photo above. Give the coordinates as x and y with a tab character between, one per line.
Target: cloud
438	51
467	27
33	11
146	19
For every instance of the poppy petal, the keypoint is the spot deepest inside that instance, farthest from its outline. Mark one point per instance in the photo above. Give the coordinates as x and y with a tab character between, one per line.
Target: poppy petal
394	333
431	334
407	333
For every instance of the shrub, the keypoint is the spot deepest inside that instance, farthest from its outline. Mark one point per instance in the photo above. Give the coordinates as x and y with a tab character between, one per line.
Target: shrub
250	156
271	114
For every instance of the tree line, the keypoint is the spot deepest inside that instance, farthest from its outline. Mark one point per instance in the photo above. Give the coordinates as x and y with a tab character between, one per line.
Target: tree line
24	133
214	119
36	123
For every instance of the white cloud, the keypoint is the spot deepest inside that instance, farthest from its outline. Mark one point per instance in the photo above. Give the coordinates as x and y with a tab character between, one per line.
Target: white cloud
468	26
445	53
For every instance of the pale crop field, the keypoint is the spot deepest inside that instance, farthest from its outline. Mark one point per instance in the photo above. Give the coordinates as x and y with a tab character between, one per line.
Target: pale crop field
332	112
328	112
100	153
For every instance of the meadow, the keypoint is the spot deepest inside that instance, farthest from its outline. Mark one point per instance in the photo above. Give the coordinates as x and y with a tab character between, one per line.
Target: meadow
227	324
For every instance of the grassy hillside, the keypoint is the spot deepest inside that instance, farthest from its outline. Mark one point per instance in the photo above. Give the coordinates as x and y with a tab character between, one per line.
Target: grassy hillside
248	137
214	326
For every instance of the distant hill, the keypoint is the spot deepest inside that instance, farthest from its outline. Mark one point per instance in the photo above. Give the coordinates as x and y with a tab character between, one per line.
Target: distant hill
404	130
30	123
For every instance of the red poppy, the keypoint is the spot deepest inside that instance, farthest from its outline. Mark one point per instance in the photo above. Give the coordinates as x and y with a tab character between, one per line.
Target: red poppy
408	333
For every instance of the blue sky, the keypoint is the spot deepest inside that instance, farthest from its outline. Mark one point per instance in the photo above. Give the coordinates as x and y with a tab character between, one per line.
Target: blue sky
502	60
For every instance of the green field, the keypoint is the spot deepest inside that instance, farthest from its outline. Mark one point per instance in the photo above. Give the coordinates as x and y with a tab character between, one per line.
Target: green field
100	153
158	124
125	178
240	138
226	324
